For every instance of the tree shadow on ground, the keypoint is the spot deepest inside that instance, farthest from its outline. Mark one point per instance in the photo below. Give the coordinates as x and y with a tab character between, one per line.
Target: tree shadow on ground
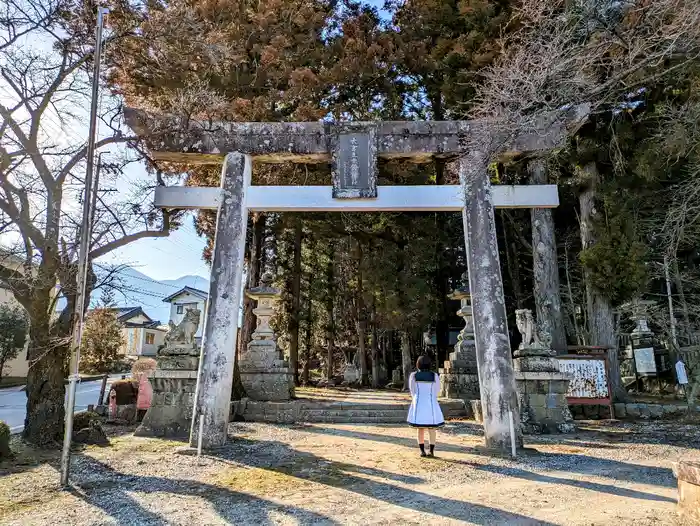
582	484
108	490
281	458
612	469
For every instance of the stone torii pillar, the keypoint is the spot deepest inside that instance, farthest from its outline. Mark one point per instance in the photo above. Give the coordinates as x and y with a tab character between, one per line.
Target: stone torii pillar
215	382
499	397
352	150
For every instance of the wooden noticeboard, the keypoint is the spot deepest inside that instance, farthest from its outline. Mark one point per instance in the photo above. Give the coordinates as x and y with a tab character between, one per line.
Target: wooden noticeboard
589	378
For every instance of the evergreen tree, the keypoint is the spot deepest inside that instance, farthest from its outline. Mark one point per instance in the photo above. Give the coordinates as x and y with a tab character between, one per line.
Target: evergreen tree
13	333
102	341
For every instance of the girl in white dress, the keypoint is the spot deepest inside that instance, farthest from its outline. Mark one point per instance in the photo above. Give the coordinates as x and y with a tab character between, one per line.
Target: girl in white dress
425	412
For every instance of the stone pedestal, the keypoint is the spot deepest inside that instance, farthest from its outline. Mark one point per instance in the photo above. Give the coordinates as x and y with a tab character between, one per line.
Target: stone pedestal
688	475
351	375
542	392
396	376
265	375
459	375
174	383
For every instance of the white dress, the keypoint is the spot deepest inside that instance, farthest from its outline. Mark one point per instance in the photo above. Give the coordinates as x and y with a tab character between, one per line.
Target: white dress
425	410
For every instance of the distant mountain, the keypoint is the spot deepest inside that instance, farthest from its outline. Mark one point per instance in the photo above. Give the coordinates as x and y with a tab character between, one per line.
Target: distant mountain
132	288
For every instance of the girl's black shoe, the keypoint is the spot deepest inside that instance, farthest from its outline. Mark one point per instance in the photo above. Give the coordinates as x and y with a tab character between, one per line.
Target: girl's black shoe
422	450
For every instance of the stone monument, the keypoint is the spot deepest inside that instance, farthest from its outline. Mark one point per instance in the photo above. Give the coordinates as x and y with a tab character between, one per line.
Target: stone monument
459	375
265	375
174	381
541	386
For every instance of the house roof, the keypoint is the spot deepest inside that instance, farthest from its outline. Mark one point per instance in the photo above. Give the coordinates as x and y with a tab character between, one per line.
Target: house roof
124	314
191	290
155	325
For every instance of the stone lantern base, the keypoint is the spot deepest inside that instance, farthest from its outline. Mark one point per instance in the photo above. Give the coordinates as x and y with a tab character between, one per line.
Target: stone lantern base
459	377
264	374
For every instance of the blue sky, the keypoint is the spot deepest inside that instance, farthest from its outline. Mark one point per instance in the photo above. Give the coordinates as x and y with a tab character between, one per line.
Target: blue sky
177	255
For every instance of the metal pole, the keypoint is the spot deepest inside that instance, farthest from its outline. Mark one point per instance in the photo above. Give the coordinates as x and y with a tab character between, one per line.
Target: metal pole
93	205
85	238
674	336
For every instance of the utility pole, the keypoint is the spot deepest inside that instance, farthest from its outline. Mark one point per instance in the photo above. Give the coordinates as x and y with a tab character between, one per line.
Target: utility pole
85	239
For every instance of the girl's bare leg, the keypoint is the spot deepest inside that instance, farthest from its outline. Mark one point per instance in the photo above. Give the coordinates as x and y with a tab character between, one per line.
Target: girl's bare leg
431	436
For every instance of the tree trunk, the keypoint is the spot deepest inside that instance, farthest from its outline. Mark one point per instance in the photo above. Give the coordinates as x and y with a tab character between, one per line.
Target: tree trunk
683	302
48	351
330	303
386	358
545	265
513	266
361	320
43	424
601	316
374	349
296	299
406	364
307	346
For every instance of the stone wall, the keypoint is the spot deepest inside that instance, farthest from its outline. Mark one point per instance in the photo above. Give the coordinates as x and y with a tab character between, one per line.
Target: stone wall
645	411
631	411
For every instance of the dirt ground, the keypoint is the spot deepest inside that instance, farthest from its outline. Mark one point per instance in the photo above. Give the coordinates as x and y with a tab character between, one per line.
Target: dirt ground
359	474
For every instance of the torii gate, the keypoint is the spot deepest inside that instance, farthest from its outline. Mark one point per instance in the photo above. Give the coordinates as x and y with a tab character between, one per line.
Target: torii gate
352	149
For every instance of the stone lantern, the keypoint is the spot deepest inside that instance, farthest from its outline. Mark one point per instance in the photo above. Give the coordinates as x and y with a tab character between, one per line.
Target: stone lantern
460	377
265	375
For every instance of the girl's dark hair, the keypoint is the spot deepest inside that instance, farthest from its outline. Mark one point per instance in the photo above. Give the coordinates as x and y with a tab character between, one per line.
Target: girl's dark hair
424	362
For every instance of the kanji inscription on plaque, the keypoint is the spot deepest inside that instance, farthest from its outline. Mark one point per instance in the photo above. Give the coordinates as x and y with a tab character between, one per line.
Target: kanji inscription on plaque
354	155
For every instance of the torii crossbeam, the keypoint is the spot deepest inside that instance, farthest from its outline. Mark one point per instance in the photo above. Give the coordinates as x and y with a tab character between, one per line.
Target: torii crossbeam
352	149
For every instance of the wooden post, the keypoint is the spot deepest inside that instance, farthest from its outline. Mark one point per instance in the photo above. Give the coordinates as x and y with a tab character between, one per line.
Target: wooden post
102	390
215	380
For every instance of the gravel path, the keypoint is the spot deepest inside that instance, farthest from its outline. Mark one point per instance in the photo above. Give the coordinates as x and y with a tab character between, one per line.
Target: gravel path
343	474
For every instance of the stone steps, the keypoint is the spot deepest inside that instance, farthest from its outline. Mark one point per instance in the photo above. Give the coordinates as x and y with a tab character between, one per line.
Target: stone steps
312	411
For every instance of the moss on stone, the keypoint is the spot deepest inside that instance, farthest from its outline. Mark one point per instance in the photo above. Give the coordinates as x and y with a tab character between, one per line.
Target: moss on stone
82	419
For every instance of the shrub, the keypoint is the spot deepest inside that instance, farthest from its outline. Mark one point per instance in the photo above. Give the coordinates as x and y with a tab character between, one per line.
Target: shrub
143	365
5	451
102	340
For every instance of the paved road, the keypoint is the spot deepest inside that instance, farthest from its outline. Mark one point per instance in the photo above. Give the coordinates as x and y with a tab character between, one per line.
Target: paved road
13	401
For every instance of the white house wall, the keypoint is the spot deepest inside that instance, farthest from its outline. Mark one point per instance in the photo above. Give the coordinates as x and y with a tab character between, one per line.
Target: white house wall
148	349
